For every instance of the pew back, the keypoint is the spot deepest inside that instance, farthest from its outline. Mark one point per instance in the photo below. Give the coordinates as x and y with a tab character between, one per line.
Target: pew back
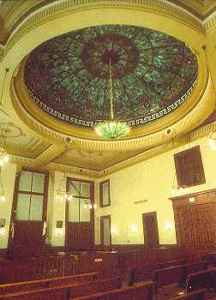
144	291
203	279
67	291
45	283
197	295
169	276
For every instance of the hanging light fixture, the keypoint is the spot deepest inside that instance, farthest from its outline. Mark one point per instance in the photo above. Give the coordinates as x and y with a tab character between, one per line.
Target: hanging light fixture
111	129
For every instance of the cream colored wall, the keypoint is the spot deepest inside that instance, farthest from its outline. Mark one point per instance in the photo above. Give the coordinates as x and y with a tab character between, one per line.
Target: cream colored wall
8	175
150	180
56	207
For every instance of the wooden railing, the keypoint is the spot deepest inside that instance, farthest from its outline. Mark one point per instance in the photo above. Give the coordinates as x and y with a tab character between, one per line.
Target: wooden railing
58	265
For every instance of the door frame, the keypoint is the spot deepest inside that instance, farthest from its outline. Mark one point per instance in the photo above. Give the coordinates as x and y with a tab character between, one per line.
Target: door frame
92	193
14	204
153	213
102	232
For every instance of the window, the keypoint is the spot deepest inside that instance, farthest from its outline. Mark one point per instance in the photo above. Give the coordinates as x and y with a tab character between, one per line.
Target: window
79	209
30	196
105	193
189	167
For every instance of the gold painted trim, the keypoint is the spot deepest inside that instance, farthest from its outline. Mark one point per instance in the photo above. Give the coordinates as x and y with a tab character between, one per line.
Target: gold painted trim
179	142
55	9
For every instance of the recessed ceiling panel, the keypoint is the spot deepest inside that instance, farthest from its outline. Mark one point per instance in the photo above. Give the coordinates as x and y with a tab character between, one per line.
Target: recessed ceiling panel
152	74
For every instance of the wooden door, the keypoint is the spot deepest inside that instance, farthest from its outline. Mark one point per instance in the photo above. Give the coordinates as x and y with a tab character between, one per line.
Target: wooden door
27	236
105	230
150	229
80	215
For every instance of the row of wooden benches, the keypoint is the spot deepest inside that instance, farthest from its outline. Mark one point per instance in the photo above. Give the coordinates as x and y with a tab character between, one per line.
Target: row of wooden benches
70	287
91	289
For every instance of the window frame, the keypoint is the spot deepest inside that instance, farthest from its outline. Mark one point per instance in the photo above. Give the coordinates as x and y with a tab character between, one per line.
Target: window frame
44	194
91	198
107	181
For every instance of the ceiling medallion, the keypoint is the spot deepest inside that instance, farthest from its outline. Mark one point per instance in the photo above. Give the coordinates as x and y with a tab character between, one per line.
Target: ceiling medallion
152	75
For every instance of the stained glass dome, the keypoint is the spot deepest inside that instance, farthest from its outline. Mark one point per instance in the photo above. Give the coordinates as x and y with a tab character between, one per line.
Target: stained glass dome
153	74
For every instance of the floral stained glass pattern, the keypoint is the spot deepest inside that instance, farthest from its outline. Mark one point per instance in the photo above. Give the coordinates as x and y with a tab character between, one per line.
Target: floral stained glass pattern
153	73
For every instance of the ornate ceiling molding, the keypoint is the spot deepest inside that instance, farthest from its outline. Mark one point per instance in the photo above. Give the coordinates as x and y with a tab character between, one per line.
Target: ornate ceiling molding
57	9
24	162
201	132
160	131
209	23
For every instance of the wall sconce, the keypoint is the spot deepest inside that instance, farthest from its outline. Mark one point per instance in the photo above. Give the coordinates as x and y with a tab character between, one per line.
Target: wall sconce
133	228
212	141
2	231
192	199
114	230
168	226
2	222
90	206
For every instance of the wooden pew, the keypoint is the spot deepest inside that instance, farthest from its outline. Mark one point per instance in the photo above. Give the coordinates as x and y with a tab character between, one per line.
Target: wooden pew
65	292
45	283
88	288
167	276
203	279
172	263
192	268
40	294
177	274
197	295
144	291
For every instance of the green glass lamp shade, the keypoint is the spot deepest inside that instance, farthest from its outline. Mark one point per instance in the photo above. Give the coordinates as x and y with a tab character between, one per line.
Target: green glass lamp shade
112	129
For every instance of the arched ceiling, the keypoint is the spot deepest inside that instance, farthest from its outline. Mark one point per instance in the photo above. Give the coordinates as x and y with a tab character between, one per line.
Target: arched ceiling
68	76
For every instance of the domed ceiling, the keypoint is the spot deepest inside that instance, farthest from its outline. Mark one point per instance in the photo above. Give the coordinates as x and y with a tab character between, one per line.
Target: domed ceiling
152	74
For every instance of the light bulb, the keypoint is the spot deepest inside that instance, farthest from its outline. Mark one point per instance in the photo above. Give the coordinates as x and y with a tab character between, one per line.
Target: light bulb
212	143
2	198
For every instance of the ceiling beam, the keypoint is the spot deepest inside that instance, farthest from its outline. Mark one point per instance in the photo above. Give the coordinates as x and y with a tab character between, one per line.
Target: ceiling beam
48	155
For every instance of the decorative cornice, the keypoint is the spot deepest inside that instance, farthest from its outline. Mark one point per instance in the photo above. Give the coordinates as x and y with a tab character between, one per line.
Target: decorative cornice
178	142
57	9
27	162
210	22
203	131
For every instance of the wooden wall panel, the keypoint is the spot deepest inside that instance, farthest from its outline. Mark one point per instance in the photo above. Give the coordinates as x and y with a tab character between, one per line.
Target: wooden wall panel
196	221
